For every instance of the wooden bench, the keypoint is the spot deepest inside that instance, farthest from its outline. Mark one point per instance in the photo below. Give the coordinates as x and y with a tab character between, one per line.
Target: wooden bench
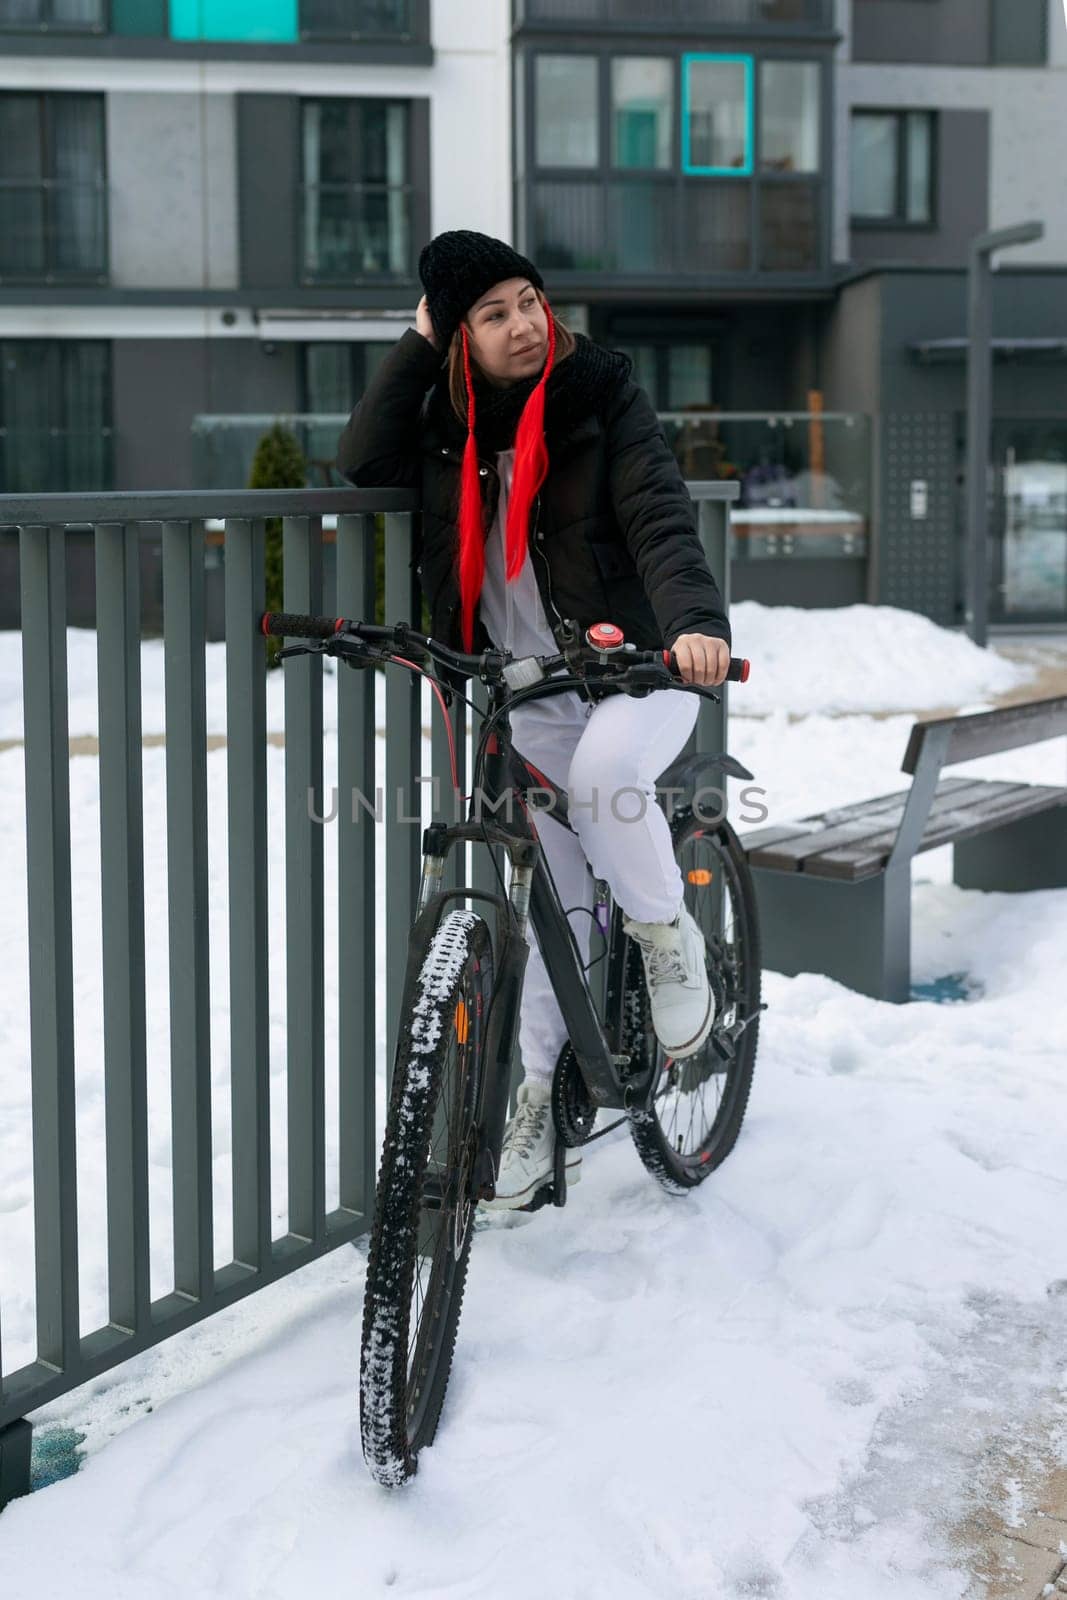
834	890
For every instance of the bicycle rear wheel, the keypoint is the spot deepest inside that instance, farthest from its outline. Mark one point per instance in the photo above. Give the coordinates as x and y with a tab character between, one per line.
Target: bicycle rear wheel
689	1120
423	1219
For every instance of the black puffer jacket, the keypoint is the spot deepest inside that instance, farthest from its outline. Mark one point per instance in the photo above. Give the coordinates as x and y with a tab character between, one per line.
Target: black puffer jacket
613	530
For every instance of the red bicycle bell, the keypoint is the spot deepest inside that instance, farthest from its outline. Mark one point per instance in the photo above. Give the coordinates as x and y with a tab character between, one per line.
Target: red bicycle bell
605	636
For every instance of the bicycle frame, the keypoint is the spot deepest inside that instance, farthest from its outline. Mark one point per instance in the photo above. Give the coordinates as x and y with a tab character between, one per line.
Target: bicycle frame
532	897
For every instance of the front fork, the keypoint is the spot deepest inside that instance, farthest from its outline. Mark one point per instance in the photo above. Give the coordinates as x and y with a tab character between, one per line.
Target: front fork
512	953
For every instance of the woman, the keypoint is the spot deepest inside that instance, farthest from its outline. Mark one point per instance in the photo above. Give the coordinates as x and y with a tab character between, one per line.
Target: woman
549	492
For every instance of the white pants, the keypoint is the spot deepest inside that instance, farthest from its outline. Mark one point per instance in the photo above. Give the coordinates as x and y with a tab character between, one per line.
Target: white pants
607	759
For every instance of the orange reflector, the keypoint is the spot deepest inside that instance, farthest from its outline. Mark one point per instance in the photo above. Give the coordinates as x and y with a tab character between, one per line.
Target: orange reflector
699	875
462	1022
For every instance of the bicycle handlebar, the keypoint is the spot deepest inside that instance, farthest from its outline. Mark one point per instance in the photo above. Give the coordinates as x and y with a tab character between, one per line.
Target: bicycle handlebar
292	625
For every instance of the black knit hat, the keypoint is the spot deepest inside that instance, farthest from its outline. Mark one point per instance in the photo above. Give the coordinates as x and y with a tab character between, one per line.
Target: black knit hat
457	268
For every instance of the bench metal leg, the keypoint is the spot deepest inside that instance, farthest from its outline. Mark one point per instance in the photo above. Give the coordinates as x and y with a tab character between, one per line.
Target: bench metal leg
15	1442
1028	854
856	933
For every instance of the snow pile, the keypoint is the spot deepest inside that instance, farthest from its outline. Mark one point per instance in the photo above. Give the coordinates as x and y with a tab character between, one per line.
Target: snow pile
858	658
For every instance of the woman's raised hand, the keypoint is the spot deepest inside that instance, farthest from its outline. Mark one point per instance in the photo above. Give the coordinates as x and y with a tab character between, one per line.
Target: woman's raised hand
424	323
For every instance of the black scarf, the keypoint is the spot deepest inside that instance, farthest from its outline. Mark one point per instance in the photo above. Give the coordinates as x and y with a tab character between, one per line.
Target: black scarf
579	387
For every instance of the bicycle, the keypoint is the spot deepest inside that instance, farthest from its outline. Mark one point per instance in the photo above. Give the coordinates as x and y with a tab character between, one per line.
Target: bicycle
463	985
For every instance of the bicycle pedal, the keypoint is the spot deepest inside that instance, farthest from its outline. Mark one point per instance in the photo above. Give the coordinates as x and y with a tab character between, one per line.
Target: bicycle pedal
543	1197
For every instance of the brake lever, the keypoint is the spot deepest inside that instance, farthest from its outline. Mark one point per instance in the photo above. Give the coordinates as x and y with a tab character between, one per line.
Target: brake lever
301	650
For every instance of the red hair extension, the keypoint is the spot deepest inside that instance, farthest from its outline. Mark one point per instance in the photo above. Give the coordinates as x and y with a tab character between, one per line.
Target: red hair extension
471	521
531	468
531	462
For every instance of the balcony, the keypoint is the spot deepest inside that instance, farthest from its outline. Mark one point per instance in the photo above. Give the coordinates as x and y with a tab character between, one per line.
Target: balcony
53	16
720	16
366	21
652	227
53	232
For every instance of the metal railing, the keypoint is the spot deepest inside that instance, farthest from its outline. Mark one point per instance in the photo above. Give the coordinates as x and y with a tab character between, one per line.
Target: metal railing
52	229
65	1356
364	19
355	231
720	14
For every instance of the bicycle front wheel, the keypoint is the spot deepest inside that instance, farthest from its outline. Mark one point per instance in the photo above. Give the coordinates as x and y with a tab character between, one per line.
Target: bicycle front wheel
690	1119
423	1221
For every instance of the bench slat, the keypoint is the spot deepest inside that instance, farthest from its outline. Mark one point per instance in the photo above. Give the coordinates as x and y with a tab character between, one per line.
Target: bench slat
986	733
868	822
1012	802
802	827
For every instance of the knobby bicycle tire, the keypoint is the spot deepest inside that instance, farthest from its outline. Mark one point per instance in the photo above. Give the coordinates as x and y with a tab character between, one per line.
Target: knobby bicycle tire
712	862
424	1206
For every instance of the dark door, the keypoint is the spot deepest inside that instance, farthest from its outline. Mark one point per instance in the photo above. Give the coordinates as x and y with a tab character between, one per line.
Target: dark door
1028	525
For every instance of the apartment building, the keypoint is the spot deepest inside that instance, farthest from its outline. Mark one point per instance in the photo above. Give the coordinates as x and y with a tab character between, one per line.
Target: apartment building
215	207
212	209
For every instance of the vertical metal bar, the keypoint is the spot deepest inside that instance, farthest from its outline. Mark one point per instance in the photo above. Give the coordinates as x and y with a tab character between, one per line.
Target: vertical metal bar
402	794
118	647
246	774
187	906
979	414
42	565
979	393
356	915
713	518
304	962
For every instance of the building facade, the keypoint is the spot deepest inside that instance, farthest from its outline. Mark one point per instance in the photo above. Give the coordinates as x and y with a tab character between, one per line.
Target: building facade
211	210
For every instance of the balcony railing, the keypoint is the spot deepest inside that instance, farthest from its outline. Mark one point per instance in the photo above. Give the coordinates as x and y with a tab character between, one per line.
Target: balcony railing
805	477
724	15
384	20
53	16
356	231
637	227
52	230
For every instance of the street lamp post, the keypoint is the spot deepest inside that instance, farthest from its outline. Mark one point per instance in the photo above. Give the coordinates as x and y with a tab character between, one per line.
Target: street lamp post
979	412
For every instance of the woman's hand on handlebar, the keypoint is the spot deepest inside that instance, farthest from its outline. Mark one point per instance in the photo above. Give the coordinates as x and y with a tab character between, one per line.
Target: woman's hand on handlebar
700	658
424	323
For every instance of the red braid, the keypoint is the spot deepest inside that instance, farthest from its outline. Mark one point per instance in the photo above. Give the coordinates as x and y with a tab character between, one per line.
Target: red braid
471	521
531	468
531	462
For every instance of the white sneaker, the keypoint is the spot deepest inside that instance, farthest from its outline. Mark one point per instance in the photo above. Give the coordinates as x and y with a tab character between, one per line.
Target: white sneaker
683	1007
527	1156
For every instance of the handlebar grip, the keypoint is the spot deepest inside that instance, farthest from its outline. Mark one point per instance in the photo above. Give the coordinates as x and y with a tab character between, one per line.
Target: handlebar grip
291	625
737	672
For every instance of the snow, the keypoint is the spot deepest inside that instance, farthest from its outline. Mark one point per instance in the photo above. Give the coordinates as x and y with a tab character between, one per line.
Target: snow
784	1385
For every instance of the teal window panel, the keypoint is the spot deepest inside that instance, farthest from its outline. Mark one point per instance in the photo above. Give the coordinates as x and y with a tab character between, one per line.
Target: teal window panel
718	131
139	19
236	21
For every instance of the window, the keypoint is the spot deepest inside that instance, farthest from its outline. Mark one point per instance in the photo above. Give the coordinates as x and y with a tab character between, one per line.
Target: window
63	16
53	214
892	168
717	114
676	377
55	416
357	19
789	116
649	166
565	108
642	112
357	193
335	375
